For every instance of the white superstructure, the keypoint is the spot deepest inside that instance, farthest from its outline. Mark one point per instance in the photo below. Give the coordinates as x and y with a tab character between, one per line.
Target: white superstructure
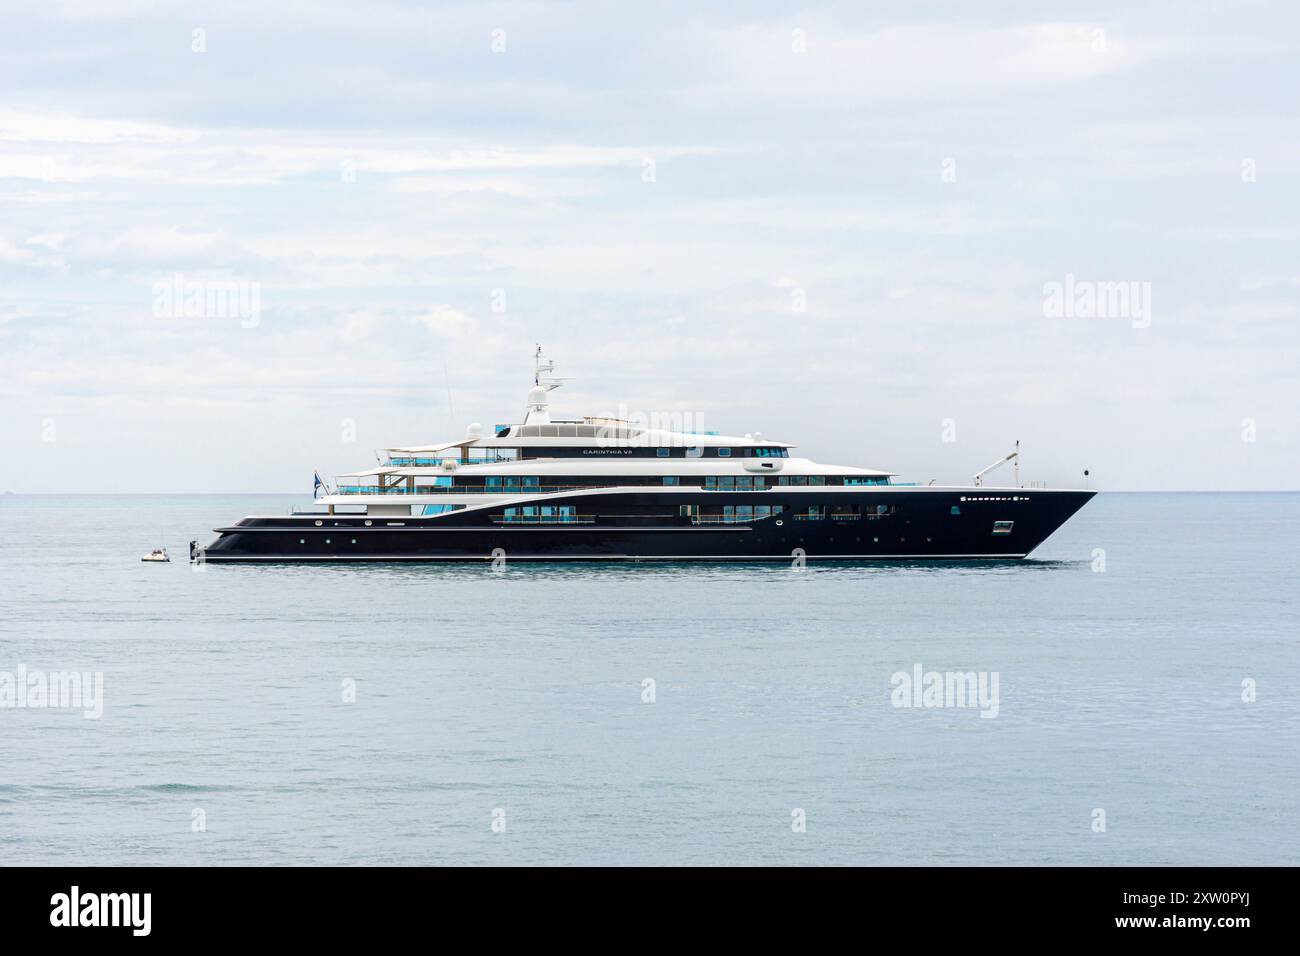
564	455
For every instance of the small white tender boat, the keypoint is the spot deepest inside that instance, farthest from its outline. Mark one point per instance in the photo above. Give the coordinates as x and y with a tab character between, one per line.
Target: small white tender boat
157	554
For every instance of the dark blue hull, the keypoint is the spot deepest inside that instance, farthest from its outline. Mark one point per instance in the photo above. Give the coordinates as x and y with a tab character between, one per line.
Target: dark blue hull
936	524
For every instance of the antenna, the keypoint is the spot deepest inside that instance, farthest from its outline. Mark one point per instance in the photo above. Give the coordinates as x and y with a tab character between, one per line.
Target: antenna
451	412
544	367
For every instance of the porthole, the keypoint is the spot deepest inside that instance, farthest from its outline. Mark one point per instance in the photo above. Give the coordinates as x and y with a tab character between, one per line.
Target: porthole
367	523
327	540
354	540
302	540
779	522
319	523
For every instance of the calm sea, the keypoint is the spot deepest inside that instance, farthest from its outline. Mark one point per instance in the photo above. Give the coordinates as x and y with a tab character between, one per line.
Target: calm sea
507	718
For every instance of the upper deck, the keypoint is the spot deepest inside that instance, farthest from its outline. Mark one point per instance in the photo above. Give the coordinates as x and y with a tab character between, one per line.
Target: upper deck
545	454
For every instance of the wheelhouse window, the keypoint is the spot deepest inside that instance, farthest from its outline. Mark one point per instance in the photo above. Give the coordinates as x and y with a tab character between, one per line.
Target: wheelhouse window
480	455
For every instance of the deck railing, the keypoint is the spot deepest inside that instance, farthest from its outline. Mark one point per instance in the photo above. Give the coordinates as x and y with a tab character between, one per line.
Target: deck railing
546	519
404	461
456	490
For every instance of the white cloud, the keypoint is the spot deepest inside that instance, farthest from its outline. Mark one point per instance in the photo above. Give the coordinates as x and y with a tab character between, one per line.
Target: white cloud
444	320
922	60
385	176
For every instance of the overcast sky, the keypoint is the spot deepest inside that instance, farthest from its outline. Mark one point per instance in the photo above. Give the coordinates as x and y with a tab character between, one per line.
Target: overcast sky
823	223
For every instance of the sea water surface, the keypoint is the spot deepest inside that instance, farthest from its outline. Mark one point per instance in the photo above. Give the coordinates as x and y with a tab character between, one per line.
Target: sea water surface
509	718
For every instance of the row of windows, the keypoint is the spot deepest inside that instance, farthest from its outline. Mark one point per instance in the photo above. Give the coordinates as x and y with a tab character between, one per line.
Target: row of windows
837	512
608	432
484	456
758	482
732	512
526	483
540	514
510	482
613	433
697	451
711	482
566	514
846	512
481	456
735	483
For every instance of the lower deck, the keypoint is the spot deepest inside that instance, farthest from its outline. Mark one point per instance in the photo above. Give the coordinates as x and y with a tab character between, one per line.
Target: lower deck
644	525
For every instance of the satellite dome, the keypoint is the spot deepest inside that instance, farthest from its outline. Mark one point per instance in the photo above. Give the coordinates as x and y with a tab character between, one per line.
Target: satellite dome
474	431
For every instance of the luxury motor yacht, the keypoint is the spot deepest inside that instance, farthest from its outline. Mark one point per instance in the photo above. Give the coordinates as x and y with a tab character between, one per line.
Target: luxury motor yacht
607	489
